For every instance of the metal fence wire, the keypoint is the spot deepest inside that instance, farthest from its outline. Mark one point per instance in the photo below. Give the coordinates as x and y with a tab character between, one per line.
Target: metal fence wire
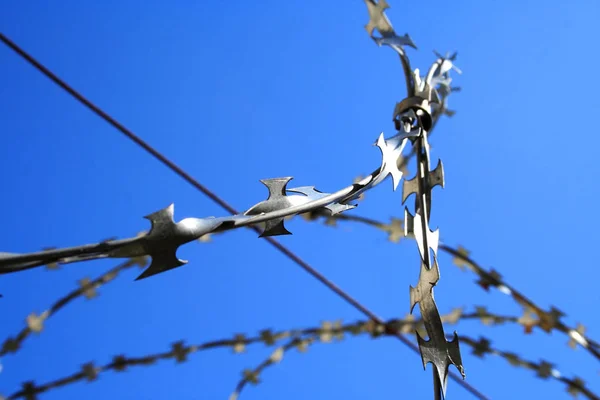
413	119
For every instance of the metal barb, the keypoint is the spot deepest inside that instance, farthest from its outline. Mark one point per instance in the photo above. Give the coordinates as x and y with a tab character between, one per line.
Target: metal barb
313	194
446	63
437	350
377	18
277	200
164	238
396	42
391	150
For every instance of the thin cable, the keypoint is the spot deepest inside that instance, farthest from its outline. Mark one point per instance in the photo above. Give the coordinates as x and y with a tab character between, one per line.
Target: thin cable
160	157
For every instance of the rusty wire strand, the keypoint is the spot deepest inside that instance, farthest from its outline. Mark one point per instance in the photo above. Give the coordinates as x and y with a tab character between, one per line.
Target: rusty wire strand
328	332
543	368
546	320
252	375
87	288
325	333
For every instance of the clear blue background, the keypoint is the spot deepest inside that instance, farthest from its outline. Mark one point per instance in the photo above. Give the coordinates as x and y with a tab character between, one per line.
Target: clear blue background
239	91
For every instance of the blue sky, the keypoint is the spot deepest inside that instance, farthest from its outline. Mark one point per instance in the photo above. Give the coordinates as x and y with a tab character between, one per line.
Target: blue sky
238	92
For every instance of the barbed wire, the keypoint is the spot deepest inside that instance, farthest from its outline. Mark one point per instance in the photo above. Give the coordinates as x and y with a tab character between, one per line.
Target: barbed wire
300	339
543	368
179	171
87	288
327	331
533	316
166	236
